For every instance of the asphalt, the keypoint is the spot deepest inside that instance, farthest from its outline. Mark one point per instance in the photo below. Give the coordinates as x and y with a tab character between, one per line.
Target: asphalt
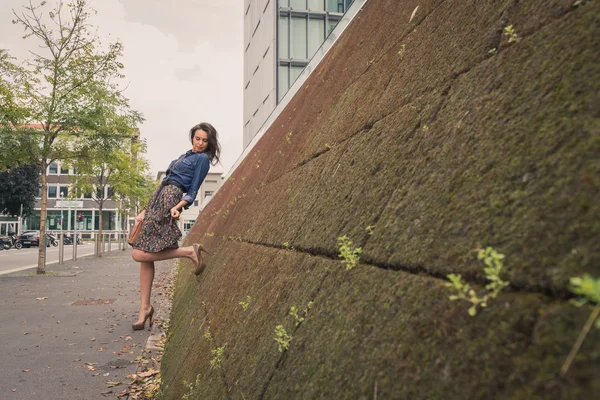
67	335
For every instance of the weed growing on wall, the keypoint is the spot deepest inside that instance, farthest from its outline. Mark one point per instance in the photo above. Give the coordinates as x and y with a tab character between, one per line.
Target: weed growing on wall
511	33
191	387
588	290
282	338
494	265
297	317
217	354
246	303
349	254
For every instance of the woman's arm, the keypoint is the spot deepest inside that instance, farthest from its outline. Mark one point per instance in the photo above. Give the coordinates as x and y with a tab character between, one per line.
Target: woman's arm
202	167
175	213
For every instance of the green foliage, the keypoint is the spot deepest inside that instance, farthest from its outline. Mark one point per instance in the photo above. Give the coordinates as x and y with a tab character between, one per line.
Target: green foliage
282	338
19	186
246	303
370	229
350	255
191	387
493	51
297	317
287	246
588	290
493	269
511	33
217	354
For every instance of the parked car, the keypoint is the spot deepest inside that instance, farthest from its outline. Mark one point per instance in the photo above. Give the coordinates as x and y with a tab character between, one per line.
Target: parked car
32	238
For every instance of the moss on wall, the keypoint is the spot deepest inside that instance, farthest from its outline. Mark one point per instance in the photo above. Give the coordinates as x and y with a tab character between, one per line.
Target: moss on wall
414	128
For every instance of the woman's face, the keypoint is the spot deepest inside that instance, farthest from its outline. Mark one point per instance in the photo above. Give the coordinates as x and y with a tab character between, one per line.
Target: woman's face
199	141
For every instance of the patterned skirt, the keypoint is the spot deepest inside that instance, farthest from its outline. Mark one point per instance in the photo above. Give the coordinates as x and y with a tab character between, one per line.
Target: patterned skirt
159	229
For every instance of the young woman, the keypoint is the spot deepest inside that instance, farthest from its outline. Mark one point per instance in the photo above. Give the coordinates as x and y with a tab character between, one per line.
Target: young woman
159	233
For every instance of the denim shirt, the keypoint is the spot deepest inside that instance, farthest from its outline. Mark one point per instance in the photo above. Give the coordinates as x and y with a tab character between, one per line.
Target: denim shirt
190	171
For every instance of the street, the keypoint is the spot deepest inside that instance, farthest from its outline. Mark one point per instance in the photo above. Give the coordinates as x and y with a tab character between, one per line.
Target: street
14	260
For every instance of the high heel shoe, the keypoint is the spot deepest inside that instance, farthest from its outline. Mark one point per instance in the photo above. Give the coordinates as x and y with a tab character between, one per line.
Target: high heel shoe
198	248
138	326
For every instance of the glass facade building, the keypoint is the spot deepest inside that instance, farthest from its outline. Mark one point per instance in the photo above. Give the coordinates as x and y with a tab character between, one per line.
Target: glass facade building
280	38
302	26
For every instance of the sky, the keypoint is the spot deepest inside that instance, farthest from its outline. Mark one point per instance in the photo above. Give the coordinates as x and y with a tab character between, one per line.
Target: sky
183	65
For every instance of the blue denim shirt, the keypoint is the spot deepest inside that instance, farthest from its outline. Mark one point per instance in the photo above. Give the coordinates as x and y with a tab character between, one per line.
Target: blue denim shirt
189	170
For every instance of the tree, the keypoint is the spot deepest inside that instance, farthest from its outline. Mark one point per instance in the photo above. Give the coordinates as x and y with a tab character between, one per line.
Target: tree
18	187
68	76
110	168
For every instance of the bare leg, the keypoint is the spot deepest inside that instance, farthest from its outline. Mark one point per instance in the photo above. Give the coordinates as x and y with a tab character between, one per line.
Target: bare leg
146	260
146	279
167	254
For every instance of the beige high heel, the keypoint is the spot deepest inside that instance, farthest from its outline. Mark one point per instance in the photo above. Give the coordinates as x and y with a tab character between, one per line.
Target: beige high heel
198	248
138	326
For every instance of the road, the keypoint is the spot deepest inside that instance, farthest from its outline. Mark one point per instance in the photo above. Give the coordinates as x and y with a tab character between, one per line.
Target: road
14	260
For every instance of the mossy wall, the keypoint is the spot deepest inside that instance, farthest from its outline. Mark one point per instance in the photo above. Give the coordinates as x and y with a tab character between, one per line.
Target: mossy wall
415	128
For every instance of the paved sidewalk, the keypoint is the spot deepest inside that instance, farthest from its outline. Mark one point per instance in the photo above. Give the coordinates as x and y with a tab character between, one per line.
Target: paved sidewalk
64	336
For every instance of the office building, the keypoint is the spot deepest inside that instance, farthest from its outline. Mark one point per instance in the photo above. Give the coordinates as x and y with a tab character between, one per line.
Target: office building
280	38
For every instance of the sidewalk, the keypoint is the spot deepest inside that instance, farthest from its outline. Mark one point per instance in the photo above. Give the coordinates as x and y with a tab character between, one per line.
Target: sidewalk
64	336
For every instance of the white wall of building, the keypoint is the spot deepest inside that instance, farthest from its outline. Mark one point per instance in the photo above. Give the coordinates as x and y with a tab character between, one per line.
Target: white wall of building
260	54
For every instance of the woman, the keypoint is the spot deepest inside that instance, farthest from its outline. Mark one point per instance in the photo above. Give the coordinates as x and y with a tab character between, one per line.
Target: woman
159	233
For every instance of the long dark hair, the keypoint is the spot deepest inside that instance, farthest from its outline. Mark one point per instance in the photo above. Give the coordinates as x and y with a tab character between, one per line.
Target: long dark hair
213	149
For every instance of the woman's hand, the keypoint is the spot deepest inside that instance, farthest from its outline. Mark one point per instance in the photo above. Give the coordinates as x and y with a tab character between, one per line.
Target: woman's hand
141	216
175	213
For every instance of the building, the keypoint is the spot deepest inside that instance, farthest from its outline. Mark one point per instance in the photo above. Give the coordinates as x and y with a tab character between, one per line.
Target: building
211	184
59	179
280	39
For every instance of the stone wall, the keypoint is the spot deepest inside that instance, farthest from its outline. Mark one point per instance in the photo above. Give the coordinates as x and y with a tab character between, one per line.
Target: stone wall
418	129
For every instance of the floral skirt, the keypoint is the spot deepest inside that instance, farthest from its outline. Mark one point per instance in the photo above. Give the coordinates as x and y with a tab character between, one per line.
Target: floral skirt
159	229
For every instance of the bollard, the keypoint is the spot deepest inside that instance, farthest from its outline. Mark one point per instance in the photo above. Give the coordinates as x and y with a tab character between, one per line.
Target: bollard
109	242
61	248
75	247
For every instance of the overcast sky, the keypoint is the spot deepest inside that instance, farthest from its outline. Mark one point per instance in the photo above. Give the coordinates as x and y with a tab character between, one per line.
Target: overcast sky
184	64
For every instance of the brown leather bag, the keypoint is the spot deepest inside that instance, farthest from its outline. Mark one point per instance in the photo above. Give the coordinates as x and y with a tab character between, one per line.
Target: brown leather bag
136	230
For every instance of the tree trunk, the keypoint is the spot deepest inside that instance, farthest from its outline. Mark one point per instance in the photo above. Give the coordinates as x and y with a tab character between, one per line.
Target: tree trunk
41	269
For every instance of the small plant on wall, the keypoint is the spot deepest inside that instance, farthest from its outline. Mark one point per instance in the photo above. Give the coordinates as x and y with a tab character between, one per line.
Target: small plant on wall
494	265
587	289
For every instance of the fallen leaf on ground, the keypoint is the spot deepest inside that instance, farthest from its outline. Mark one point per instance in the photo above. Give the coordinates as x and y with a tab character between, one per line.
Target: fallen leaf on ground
26	370
112	384
148	373
41	298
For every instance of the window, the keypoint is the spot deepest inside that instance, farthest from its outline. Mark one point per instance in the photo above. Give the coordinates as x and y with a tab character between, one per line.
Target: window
298	4
187	225
64	192
110	192
53	169
195	203
298	37
316	5
64	170
87	195
336	6
51	192
316	35
283	81
282	37
208	194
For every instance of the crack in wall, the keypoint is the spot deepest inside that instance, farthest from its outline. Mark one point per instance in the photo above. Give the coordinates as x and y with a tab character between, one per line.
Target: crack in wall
420	269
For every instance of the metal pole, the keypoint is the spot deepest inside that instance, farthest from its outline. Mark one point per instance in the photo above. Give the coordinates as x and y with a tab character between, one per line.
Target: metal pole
109	242
75	235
